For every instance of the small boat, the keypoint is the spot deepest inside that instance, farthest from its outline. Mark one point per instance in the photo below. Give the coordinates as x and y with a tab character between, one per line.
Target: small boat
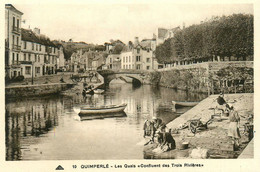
98	91
102	116
184	104
102	109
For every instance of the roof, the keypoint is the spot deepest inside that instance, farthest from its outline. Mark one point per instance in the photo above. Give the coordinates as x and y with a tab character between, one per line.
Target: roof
11	7
145	43
29	35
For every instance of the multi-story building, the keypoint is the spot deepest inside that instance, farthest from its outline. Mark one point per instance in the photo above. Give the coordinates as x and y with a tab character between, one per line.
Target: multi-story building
113	61
27	52
128	60
38	54
13	19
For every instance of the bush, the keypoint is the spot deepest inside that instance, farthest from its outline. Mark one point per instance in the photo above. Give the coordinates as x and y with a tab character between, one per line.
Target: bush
19	78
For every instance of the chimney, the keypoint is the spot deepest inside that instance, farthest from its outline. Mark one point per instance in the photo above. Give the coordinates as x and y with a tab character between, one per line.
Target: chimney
136	41
36	30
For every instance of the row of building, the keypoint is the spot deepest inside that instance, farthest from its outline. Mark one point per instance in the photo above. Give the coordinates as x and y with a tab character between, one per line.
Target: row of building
27	52
31	54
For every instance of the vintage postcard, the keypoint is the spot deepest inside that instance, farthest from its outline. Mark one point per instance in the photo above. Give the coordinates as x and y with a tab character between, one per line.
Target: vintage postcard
119	85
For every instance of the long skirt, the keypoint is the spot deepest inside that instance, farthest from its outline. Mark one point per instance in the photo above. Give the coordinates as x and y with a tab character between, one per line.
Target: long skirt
233	131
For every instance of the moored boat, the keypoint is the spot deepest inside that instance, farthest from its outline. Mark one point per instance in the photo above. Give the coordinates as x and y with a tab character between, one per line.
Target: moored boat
102	115
184	104
102	109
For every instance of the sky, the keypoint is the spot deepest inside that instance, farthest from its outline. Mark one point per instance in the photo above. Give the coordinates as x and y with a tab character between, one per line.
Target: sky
98	23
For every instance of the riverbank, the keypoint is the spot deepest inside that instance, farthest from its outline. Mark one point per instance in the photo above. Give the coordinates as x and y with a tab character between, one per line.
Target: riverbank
47	85
215	138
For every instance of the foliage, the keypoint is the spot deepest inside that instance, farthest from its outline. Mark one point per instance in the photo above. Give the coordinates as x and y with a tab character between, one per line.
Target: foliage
14	79
224	36
118	48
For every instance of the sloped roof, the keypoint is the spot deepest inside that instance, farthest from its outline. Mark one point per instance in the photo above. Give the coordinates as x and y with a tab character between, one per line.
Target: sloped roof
145	43
29	35
11	7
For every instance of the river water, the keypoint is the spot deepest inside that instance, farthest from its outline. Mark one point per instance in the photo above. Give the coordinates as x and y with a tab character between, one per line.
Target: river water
48	128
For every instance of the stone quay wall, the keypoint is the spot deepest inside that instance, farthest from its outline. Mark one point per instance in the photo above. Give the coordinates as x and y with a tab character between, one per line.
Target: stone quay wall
35	90
196	77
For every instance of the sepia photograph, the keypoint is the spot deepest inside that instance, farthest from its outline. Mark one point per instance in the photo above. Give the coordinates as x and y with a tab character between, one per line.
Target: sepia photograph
128	81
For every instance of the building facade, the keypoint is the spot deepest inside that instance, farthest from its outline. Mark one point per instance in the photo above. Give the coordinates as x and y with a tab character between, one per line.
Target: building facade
127	60
113	61
27	53
13	19
38	54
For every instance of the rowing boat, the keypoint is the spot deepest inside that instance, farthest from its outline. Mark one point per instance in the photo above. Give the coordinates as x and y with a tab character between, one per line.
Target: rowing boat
184	104
102	109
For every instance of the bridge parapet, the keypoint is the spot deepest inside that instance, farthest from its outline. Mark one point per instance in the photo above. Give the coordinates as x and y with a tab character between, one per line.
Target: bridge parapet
121	71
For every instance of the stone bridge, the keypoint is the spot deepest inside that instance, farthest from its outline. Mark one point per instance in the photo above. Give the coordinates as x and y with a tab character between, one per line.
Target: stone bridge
138	76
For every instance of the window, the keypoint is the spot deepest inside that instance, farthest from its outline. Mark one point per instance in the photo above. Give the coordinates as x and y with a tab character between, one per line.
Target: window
36	47
24	57
35	57
129	67
148	60
138	50
13	39
126	58
40	47
123	59
37	70
54	49
13	58
24	45
29	57
32	46
13	21
28	70
147	67
17	23
38	58
138	58
17	40
17	58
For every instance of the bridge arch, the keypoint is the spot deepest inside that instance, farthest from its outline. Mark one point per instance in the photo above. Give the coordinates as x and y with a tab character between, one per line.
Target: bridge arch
109	75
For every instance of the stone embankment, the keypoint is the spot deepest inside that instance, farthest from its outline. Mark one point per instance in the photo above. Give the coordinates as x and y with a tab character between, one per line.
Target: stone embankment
35	90
215	138
46	85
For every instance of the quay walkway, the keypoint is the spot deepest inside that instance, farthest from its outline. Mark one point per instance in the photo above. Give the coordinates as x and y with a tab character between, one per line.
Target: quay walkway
215	138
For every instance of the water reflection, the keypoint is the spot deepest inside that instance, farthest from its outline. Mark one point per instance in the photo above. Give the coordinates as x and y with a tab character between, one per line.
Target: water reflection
35	128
